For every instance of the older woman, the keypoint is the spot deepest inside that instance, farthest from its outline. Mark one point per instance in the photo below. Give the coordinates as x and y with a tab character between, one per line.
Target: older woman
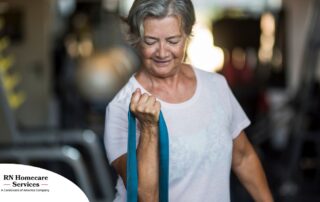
204	120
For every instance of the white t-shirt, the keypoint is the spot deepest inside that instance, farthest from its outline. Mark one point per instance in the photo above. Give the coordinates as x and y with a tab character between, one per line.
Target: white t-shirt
201	131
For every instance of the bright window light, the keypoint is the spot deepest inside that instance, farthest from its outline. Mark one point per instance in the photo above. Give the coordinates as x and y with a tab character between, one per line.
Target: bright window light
125	6
201	51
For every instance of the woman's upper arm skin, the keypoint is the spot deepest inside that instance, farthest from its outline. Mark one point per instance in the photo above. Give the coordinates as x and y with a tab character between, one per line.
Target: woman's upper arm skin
120	166
241	148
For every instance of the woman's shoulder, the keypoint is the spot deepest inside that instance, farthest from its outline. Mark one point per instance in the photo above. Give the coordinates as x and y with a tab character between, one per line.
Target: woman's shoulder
211	77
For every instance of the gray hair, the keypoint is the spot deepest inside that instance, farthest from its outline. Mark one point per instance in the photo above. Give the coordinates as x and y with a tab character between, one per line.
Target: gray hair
142	9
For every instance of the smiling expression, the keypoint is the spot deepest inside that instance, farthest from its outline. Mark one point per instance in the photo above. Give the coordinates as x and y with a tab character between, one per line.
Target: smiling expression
162	46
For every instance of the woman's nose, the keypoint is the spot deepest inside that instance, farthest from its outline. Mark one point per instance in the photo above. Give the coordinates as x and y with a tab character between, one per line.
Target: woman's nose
162	51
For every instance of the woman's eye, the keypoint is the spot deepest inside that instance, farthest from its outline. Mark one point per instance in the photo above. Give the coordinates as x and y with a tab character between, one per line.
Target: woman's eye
149	42
173	41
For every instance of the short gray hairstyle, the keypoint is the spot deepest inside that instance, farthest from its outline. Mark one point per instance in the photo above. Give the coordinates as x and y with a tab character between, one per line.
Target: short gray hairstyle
142	9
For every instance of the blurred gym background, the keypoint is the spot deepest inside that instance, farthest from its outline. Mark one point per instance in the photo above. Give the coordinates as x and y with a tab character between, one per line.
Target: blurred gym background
61	62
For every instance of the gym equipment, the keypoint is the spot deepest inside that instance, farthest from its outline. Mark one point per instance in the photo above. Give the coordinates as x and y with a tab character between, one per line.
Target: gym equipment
64	146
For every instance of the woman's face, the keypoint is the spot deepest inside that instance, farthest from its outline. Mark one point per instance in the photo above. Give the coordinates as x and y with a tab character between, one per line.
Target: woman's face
162	46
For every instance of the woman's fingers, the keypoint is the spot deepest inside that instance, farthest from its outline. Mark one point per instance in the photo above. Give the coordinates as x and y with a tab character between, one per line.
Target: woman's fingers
135	99
145	107
143	101
146	104
136	95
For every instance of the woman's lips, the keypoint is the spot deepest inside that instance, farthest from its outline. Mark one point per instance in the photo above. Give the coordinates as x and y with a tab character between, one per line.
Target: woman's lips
162	62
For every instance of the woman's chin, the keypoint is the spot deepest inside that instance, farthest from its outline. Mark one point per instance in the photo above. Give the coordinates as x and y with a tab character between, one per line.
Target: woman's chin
162	71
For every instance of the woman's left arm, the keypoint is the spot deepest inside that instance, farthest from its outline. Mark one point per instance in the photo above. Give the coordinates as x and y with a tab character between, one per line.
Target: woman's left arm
247	167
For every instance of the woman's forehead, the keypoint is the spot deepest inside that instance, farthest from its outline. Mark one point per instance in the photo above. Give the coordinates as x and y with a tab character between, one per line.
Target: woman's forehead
169	24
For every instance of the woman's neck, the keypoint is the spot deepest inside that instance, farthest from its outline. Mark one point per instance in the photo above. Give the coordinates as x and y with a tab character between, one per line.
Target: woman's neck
176	88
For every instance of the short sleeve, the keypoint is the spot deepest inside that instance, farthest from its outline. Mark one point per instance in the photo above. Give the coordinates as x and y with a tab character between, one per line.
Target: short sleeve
116	131
238	118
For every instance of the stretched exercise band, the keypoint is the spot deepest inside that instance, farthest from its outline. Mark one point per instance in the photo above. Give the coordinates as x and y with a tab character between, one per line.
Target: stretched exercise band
132	168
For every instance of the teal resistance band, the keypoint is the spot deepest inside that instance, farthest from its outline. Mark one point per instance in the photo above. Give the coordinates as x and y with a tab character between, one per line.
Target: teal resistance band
132	170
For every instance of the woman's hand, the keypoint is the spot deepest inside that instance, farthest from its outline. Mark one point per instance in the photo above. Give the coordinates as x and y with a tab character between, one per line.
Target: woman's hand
146	108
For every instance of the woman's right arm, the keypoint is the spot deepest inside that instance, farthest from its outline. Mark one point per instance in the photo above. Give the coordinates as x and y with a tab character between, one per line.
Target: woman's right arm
146	109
